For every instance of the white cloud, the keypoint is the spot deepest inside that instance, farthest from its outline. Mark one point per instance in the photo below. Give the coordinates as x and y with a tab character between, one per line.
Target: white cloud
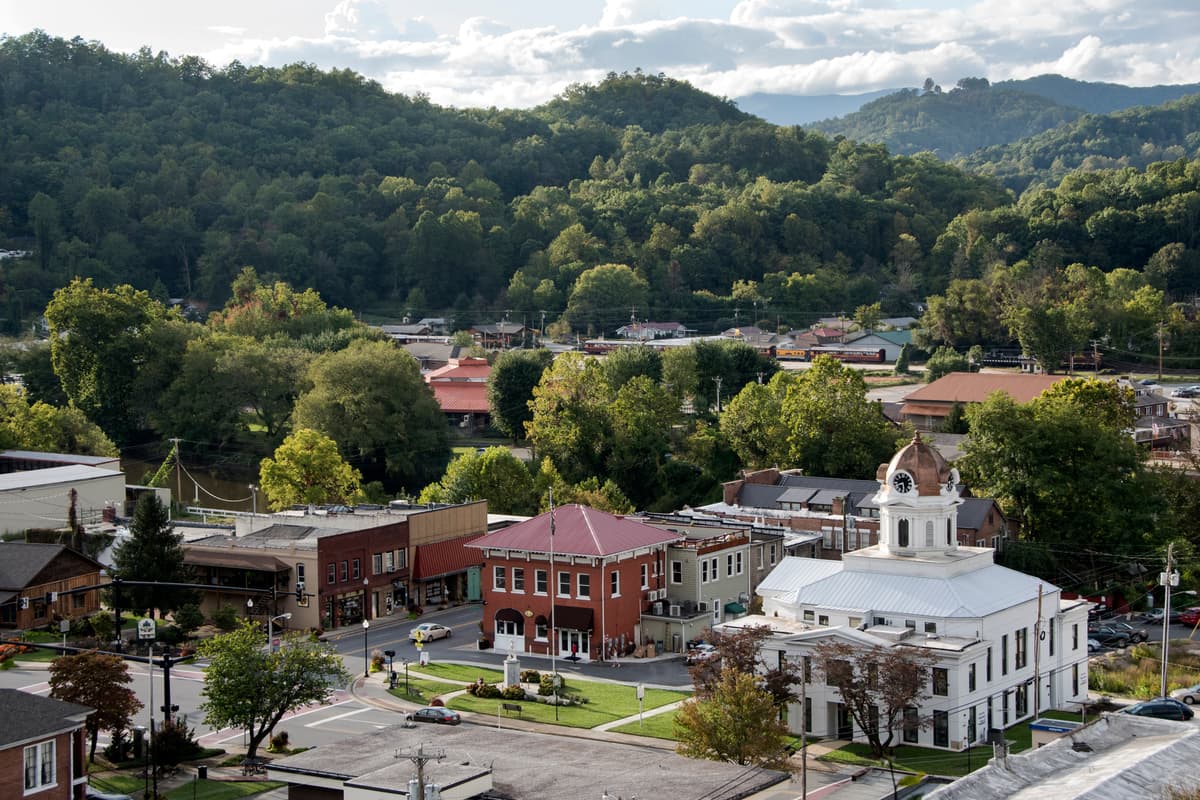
785	46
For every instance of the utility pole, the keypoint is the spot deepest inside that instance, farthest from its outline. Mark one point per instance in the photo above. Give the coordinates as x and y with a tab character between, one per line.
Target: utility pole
543	328
178	473
803	734
717	380
420	757
1160	349
1167	579
1037	657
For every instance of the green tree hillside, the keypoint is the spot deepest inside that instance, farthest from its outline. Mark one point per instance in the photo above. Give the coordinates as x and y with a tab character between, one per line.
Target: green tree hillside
973	114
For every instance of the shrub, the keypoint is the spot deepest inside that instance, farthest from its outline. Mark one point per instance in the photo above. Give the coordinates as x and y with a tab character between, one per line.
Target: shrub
531	676
546	684
376	660
226	618
169	634
279	742
485	690
513	693
174	742
188	618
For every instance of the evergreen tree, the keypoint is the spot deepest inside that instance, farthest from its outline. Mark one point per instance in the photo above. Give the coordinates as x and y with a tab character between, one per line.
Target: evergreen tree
153	552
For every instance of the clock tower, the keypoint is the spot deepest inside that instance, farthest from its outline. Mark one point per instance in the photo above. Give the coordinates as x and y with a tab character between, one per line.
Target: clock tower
918	501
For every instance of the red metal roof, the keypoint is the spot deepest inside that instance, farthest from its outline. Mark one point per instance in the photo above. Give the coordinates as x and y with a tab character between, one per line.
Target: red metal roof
461	398
444	558
578	530
975	387
461	369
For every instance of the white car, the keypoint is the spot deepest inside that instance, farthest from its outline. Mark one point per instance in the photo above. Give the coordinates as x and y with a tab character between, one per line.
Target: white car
428	631
1094	645
702	652
1189	695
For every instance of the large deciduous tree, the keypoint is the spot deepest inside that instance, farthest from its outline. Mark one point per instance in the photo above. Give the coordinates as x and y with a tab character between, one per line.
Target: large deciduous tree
736	721
877	683
248	687
510	388
495	475
753	422
570	422
742	650
832	428
1064	465
97	680
371	400
99	340
602	297
153	552
307	468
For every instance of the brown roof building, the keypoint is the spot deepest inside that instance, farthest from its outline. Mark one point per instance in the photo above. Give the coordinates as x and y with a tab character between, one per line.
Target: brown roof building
928	407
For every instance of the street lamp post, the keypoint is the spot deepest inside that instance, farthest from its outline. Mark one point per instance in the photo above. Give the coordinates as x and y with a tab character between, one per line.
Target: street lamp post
271	631
366	657
254	499
406	663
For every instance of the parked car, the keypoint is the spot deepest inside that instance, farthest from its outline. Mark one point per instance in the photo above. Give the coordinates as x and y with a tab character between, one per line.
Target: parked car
1109	637
1155	616
1093	645
1186	391
1190	616
701	652
1135	634
436	714
1189	695
1162	708
428	631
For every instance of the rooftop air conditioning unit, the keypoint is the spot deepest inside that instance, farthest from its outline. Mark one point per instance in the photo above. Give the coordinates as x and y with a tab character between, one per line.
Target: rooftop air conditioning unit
673	610
702	605
657	609
743	598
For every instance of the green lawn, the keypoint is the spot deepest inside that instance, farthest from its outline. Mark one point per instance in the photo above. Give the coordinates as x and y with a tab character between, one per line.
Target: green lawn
606	702
659	726
465	673
422	690
941	762
135	786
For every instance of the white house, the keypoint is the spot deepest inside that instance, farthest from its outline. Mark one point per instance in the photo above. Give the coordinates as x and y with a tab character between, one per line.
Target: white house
1005	644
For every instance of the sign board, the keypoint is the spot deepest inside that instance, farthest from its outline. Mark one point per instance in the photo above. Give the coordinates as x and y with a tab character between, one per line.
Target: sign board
64	626
641	692
146	628
424	657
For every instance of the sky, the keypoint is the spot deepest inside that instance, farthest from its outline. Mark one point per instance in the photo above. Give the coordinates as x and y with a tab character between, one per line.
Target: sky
520	53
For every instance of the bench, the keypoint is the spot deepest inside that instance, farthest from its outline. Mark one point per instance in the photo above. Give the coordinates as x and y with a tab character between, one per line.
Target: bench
254	766
511	707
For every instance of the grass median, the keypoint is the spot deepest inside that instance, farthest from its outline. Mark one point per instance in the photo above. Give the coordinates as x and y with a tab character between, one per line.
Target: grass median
604	702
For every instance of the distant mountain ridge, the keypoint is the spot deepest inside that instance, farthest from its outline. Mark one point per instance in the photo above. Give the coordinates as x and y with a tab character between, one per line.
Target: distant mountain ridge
976	114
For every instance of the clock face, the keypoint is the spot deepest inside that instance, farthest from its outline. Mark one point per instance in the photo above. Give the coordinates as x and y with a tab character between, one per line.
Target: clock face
902	482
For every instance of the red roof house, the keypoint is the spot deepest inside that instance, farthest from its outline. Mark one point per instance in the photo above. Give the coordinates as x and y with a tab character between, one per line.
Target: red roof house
573	581
460	387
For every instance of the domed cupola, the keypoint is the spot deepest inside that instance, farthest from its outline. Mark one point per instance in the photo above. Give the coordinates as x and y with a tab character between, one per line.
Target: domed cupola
918	501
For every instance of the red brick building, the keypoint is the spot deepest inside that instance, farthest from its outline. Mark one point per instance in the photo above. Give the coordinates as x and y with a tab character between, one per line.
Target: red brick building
42	752
601	569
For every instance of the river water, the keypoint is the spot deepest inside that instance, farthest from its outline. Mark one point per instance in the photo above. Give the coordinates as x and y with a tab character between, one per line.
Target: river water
198	485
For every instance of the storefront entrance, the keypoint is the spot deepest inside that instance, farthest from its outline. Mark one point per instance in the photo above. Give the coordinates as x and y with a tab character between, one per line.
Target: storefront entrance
574	644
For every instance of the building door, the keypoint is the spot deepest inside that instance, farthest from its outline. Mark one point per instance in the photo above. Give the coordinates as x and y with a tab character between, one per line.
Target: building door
843	722
574	644
474	594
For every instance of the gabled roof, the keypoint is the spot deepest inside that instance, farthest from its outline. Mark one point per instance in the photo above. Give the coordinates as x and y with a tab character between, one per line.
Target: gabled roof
891	337
21	563
31	716
578	530
462	369
73	473
975	387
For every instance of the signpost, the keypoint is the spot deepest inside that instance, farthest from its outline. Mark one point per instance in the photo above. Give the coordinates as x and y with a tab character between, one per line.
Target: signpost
641	696
145	629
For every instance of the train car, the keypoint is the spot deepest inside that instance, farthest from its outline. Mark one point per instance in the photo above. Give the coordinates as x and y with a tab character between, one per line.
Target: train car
598	347
786	353
857	355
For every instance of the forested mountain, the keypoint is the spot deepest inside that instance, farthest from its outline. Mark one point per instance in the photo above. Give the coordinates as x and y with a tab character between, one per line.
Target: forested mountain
1136	137
170	175
976	114
973	114
800	109
1096	97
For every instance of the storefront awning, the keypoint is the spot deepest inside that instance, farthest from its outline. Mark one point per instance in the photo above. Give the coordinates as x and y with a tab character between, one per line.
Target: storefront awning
573	618
735	608
234	559
445	558
508	615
